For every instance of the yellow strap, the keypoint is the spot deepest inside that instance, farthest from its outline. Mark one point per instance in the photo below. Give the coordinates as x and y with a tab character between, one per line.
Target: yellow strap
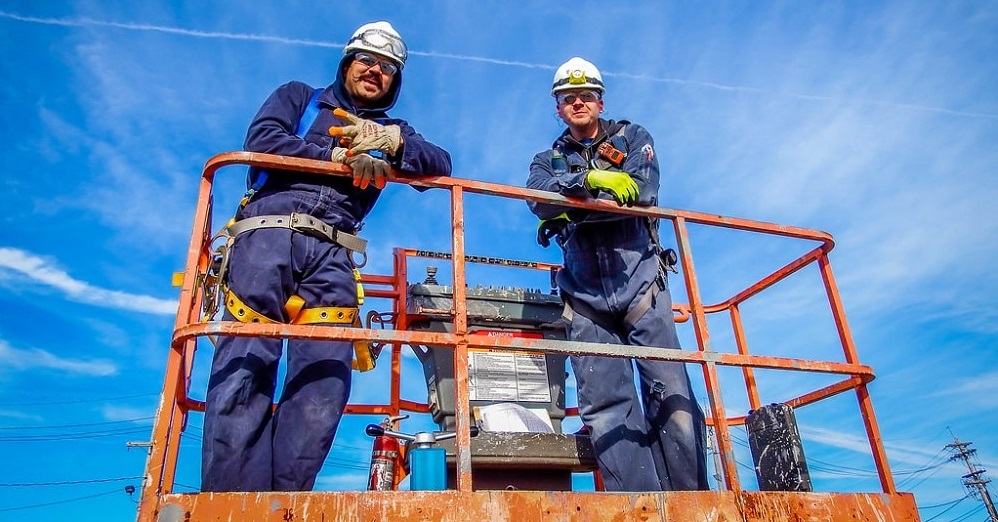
326	314
360	287
363	354
294	306
363	359
243	313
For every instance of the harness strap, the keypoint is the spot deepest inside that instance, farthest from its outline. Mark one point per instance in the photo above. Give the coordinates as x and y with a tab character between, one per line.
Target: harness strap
364	358
643	305
308	117
326	315
244	313
630	319
303	223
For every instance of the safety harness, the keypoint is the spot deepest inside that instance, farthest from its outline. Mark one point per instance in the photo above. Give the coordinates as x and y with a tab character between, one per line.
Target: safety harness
611	153
216	281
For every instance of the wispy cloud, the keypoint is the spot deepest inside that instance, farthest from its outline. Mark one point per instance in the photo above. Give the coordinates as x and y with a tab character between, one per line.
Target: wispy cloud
130	414
17	414
131	26
982	390
916	455
41	271
34	358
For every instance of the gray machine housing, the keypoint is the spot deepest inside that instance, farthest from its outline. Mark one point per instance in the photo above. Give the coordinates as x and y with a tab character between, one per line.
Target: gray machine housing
514	311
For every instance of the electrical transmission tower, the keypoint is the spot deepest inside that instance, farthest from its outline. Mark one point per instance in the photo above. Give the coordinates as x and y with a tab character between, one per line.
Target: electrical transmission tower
974	481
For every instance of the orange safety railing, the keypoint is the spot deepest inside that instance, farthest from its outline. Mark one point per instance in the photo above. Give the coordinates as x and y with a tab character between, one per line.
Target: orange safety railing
176	403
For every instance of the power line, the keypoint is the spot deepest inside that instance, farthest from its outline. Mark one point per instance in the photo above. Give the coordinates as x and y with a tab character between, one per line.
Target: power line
56	426
54	437
955	504
927	477
951	502
61	501
968	514
66	482
935	464
79	401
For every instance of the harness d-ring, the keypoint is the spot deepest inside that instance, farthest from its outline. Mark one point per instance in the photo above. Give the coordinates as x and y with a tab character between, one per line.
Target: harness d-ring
355	263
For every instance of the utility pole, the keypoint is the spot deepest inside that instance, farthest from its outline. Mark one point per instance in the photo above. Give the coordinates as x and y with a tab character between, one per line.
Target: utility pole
974	480
712	446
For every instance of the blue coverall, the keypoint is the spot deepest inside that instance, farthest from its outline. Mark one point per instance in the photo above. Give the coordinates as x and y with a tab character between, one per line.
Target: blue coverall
654	441
248	445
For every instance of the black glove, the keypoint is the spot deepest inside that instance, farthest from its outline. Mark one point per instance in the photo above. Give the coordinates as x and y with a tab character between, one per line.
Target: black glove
549	228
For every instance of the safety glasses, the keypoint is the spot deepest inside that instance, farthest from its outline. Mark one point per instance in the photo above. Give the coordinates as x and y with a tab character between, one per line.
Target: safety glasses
369	61
569	98
378	39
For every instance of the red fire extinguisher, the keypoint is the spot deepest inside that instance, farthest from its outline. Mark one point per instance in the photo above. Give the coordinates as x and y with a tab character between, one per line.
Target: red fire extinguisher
386	459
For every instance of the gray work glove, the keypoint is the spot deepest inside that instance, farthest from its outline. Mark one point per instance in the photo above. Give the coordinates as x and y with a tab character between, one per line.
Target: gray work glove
368	169
363	135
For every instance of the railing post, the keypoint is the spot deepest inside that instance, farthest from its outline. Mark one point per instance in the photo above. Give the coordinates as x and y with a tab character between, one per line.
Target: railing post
462	401
862	394
709	367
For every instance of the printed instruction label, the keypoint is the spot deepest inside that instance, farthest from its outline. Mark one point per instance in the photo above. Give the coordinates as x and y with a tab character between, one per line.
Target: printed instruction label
507	376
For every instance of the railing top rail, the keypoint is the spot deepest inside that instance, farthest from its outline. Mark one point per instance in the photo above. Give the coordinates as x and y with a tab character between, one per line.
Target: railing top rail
509	191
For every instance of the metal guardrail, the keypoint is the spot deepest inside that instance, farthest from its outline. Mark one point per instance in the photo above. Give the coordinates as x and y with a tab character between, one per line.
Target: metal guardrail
176	404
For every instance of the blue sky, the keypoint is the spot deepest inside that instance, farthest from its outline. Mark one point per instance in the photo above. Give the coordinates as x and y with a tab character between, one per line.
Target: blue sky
874	121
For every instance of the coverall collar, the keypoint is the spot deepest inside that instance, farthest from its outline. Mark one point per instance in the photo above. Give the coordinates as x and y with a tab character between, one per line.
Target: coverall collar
606	128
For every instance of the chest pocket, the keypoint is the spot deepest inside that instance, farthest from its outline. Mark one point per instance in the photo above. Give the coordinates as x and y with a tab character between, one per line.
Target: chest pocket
575	163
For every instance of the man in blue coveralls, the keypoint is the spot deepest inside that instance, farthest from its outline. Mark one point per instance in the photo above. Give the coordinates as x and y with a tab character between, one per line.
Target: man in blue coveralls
291	262
616	292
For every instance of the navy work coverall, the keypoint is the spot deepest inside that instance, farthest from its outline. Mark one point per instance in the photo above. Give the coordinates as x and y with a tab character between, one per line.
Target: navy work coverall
654	441
247	445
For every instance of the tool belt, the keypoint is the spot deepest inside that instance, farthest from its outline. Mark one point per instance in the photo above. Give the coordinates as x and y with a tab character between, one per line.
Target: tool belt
303	223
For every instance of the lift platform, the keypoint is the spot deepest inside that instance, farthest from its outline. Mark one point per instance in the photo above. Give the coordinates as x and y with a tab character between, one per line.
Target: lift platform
160	502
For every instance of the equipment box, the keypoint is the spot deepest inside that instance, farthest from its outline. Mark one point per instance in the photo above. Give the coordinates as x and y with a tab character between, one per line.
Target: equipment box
532	380
776	449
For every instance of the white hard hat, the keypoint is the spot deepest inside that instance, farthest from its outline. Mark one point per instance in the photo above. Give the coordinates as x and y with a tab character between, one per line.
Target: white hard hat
577	73
379	38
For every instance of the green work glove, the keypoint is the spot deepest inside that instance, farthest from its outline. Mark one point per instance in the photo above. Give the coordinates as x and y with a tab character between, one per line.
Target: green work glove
549	228
363	135
617	184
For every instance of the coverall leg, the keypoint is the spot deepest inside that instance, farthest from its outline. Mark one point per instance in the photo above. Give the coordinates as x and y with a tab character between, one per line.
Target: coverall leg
675	421
246	447
647	442
317	385
609	406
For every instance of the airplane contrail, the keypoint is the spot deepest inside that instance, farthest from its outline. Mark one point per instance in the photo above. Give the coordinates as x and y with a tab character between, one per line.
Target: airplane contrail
90	22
